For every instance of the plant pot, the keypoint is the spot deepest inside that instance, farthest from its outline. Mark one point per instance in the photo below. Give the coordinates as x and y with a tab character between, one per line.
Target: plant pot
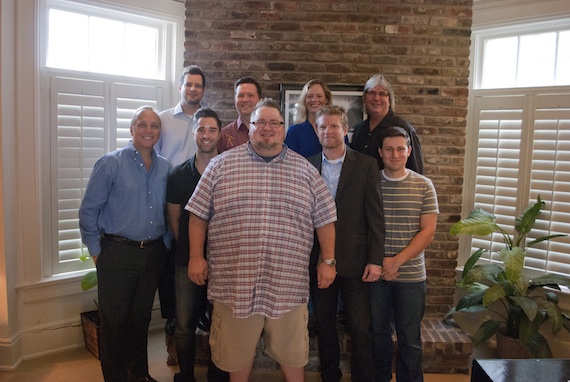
91	331
511	348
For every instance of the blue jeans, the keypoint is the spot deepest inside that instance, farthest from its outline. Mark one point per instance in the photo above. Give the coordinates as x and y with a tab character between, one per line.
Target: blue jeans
399	306
191	303
355	297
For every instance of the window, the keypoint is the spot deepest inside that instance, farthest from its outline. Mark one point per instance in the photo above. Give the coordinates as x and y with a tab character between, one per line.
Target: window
100	66
104	45
523	151
519	137
515	57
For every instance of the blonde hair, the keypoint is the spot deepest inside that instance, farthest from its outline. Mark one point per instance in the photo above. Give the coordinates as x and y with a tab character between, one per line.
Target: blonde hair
301	110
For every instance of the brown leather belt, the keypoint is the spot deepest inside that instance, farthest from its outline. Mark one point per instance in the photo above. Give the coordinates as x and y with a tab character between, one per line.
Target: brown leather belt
141	244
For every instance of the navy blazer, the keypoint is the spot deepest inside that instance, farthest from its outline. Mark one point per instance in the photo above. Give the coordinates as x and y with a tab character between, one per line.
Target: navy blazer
360	225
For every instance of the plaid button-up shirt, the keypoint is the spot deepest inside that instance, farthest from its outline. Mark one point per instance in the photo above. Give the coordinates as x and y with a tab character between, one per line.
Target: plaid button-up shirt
262	216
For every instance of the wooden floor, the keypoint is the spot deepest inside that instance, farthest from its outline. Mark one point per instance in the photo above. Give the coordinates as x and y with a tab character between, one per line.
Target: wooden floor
80	365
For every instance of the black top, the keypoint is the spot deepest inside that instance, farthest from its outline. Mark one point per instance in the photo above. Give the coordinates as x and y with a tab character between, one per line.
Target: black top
182	181
367	142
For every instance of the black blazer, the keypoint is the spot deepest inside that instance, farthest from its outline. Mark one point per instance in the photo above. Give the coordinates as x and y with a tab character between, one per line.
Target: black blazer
360	224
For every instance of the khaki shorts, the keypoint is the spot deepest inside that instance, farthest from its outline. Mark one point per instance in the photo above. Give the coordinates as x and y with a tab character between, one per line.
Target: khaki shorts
233	341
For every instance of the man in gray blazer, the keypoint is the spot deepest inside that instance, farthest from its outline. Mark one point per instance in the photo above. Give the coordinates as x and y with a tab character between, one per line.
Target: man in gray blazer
354	181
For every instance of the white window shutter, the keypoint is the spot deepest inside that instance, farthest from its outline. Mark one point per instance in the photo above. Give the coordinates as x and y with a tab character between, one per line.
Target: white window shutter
90	118
523	151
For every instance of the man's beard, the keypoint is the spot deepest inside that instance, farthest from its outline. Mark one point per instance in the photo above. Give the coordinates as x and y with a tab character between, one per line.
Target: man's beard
266	145
192	101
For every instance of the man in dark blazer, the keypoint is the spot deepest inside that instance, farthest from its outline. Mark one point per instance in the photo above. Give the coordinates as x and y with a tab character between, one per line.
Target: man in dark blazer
354	181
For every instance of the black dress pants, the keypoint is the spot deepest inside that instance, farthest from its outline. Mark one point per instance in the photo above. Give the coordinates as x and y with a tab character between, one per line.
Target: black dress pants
127	281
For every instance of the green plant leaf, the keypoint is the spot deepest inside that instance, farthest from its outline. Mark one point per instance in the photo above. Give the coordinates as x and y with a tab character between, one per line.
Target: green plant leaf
566	321
474	287
522	284
472	261
481	272
538	346
554	314
551	296
529	328
544	238
525	222
89	280
487	330
479	222
514	262
494	293
449	315
527	304
470	300
549	280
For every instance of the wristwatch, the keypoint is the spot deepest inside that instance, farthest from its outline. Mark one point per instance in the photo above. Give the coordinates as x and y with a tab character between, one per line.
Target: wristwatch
330	262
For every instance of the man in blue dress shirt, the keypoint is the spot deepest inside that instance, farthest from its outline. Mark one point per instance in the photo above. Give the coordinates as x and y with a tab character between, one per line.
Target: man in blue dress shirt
122	223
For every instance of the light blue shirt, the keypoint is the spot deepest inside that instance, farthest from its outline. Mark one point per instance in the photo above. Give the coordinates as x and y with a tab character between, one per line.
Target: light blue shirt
123	198
176	142
330	172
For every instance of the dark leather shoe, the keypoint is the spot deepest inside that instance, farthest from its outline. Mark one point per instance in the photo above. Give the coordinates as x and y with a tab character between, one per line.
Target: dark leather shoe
170	326
141	378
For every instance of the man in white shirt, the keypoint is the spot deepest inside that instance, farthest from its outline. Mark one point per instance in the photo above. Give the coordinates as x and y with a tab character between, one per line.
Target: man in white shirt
177	144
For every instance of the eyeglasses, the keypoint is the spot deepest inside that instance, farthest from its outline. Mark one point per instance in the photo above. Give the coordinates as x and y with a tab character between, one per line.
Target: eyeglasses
261	123
374	94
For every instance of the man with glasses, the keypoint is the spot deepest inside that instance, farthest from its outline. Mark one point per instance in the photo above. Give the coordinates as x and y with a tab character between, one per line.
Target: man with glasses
379	103
260	204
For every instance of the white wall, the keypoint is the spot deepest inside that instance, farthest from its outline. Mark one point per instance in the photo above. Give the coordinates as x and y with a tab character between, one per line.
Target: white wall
38	314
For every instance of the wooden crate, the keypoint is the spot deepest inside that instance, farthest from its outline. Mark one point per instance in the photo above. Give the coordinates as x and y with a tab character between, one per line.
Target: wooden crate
91	331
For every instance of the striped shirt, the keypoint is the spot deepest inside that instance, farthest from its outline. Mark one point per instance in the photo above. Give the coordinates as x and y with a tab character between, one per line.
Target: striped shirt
262	216
405	200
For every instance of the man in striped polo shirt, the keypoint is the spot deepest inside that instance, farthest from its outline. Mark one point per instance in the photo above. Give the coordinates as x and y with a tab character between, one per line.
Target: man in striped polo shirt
410	213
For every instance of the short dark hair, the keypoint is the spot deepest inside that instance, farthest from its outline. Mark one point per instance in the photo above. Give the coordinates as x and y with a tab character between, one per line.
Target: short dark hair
192	69
205	112
395	131
248	80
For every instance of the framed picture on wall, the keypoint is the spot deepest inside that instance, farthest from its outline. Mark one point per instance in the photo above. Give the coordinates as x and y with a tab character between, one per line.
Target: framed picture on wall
347	96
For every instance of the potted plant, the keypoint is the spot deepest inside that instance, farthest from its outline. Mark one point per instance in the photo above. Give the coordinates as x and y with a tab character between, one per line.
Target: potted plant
90	320
520	303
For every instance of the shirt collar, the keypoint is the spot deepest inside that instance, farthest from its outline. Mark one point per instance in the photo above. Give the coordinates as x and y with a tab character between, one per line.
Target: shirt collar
256	156
133	150
240	122
334	161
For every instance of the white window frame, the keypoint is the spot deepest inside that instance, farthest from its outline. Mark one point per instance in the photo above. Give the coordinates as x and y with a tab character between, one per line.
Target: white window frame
480	36
112	87
524	195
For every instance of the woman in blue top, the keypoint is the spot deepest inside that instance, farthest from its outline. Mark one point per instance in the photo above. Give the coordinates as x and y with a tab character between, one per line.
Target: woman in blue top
302	137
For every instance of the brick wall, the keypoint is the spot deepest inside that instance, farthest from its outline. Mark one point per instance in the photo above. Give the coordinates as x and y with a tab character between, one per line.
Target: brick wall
422	46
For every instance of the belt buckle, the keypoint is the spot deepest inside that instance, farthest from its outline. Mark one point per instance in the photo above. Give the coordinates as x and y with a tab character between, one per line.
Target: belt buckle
141	245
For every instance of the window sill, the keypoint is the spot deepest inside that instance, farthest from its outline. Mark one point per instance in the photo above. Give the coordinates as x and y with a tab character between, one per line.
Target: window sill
68	284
